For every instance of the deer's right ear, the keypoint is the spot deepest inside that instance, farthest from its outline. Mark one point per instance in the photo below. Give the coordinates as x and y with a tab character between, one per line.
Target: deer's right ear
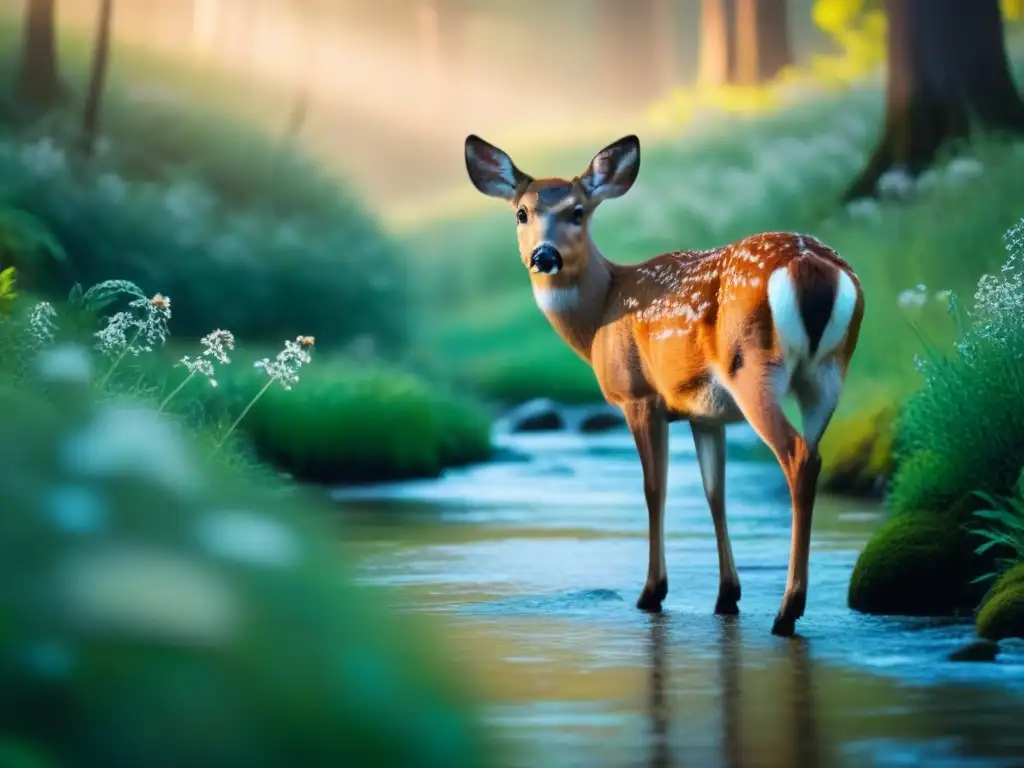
491	170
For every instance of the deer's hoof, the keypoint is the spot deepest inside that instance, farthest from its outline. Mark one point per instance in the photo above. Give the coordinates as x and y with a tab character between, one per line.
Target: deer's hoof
728	597
653	595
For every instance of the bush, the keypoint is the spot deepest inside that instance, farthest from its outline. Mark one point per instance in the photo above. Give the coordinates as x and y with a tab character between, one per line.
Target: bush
350	422
961	432
913	565
153	612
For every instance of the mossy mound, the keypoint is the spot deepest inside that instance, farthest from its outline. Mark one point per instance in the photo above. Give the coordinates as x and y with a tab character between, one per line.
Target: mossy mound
1014	577
857	452
914	565
1002	615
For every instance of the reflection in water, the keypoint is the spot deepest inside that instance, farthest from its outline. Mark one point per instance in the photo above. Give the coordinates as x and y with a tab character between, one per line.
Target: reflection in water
729	677
659	710
793	738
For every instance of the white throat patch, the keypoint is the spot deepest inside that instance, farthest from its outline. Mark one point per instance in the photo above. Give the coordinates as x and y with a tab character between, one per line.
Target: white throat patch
556	300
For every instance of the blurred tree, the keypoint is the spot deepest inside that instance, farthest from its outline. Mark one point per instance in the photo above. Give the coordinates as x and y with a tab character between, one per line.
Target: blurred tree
743	42
717	52
38	82
947	68
632	49
97	78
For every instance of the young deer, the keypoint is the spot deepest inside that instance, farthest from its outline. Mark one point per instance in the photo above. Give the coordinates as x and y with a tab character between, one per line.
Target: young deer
713	337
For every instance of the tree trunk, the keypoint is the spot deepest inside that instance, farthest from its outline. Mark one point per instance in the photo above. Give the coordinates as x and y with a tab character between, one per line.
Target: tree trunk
97	79
38	82
717	52
762	47
947	68
629	51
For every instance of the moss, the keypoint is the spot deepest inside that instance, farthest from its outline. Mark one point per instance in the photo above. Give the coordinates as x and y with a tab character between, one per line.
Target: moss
1014	577
1003	614
857	451
914	565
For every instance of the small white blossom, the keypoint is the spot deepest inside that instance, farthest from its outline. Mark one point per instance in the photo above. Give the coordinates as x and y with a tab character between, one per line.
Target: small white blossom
199	366
285	368
912	298
41	326
127	332
217	345
248	537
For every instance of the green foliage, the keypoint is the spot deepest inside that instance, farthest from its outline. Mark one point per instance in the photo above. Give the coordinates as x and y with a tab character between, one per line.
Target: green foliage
857	450
913	565
1003	528
348	422
154	611
961	432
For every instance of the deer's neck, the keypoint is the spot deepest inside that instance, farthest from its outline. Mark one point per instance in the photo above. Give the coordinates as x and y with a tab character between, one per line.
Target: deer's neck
575	305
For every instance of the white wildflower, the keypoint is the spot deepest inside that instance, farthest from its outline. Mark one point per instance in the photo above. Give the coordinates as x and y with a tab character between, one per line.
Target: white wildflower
963	169
217	345
285	368
41	326
199	366
912	298
127	332
943	296
896	183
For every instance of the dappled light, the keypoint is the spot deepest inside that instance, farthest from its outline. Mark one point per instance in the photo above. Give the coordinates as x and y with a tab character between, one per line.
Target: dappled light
491	383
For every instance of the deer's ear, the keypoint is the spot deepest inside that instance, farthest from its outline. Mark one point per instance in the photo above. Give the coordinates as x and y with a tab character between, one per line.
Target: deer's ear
491	170
613	170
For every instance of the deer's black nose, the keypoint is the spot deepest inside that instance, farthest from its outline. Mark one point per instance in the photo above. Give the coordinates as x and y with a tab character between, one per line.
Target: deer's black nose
545	259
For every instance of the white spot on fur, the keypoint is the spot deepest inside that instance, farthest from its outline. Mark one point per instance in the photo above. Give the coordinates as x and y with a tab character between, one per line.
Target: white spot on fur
555	301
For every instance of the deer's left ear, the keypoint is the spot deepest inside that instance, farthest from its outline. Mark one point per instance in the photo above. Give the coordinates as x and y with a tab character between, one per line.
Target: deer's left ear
613	170
491	170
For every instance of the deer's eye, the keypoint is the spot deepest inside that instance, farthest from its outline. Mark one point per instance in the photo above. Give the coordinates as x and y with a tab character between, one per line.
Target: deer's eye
521	216
577	215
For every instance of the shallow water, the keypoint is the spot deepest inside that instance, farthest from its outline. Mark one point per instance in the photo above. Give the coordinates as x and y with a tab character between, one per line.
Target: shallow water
536	564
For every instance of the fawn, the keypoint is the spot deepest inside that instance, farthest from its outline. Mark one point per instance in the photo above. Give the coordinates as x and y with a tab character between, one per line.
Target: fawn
713	337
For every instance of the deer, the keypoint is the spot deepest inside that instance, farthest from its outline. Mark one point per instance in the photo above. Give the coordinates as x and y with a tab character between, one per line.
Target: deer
713	337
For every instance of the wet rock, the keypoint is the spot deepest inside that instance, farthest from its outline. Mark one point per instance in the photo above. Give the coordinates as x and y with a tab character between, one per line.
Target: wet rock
508	455
538	415
915	564
1001	614
976	650
601	420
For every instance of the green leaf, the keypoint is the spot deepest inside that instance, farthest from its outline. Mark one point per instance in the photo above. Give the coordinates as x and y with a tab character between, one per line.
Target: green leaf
101	295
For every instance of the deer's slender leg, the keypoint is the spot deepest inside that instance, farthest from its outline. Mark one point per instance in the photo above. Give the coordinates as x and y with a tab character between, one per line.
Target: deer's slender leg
649	427
756	389
709	440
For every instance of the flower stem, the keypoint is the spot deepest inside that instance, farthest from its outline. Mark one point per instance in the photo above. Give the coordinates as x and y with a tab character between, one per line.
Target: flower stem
177	389
129	345
242	416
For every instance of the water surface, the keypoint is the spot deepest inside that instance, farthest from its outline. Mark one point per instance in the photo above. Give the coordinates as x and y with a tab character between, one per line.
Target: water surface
536	564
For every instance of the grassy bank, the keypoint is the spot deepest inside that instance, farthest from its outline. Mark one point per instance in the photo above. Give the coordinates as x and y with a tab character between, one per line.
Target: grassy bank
957	497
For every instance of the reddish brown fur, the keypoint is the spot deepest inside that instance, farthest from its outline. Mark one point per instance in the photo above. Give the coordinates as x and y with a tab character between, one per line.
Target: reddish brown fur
688	335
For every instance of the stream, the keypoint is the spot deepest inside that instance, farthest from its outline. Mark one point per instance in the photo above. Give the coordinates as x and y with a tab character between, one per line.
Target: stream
534	565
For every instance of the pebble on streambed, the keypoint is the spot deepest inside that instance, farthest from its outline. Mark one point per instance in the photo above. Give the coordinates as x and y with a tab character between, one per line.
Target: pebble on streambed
976	650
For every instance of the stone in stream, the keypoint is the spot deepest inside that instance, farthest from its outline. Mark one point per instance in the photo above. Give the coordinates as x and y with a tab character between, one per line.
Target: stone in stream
601	420
537	415
976	650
